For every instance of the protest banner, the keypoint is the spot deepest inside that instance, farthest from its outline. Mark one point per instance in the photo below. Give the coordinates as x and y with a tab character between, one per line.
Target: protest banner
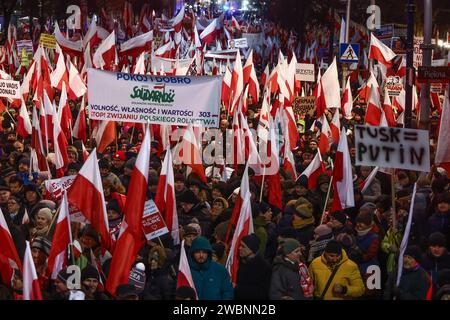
305	72
399	148
222	55
180	66
304	105
152	221
26	45
237	43
56	187
174	100
48	40
10	89
394	86
254	39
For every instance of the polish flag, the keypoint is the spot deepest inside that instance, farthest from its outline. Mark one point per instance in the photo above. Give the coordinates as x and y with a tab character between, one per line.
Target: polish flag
313	171
347	101
320	97
24	128
442	158
105	55
288	160
325	133
86	193
342	177
59	75
131	234
37	144
210	33
190	154
137	45
60	147
244	227
72	48
435	102
31	288
64	113
46	117
366	183
263	124
364	92
291	127
7	244
388	111
105	135
85	152
265	77
272	171
184	271
373	112
235	23
91	38
139	68
57	259
330	86
166	50
237	83
399	102
250	78
380	52
79	128
226	87
335	126
165	197
6	271
177	21
77	86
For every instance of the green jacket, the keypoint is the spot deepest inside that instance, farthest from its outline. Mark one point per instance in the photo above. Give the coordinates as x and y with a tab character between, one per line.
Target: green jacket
259	226
386	243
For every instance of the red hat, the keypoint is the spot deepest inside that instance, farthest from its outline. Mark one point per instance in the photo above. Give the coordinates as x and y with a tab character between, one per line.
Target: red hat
120	155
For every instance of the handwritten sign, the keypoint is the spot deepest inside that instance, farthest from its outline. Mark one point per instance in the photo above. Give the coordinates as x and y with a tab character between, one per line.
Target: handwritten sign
48	40
304	105
152	221
399	148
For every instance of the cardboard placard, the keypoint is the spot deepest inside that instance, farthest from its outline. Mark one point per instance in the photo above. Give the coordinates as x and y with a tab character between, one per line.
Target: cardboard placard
304	105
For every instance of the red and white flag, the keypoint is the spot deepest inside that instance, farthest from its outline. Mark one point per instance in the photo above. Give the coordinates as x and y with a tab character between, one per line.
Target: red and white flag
342	177
177	21
24	128
165	197
313	171
226	87
7	244
388	111
37	143
380	52
57	259
86	193
85	152
330	86
73	48
237	83
131	234
77	87
210	33
272	171
105	57
244	227
60	147
79	129
442	158
373	112
191	156
250	78
31	288
135	46
325	134
184	271
59	75
105	134
347	101
64	113
320	97
335	126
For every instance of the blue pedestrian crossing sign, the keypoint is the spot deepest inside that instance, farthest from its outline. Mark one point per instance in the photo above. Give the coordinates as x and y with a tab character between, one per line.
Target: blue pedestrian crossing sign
349	52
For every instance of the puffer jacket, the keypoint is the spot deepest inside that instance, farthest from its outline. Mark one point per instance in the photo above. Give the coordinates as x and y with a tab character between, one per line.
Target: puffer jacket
285	282
211	279
348	275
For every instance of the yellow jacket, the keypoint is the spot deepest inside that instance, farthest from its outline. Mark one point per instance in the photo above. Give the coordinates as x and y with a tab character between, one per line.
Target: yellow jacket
347	275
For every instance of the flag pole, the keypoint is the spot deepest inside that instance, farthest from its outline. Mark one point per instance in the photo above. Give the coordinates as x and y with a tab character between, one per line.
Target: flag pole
326	200
262	184
132	133
393	200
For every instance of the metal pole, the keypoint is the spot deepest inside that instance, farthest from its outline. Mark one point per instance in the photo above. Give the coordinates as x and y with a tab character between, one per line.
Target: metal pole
347	36
424	117
372	2
410	71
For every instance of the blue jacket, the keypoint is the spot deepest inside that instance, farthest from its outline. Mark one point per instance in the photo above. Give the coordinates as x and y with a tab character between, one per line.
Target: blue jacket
212	281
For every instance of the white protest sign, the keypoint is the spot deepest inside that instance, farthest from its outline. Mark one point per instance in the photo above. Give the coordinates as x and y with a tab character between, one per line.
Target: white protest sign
56	187
386	147
174	100
305	72
152	222
237	43
10	89
394	86
254	39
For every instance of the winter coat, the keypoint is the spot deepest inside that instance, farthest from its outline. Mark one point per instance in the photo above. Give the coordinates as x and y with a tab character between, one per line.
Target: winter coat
388	240
348	275
414	284
433	265
440	222
373	191
211	279
317	246
200	213
159	285
253	282
368	245
285	281
259	225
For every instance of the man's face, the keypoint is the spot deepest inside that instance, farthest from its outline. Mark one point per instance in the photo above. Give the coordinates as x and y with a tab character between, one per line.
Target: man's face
4	196
18	146
443	207
87	242
334	223
408	262
223	125
186	206
215	194
244	251
60	286
118	163
15	187
437	251
30	196
13	206
295	255
113	215
38	257
195	189
23	167
300	190
104	171
91	284
332	258
200	256
179	185
313	145
189	238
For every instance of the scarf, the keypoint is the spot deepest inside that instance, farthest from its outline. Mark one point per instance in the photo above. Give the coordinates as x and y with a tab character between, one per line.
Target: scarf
301	223
364	232
305	281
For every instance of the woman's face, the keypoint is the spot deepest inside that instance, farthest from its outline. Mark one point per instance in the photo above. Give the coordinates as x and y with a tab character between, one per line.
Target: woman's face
324	187
31	196
217	208
195	189
215	194
41	221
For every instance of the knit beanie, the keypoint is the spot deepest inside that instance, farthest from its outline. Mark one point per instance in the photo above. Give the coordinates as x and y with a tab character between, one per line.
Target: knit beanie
340	216
290	245
333	247
89	272
365	217
304	208
437	239
252	242
322	230
302	181
137	277
413	252
42	244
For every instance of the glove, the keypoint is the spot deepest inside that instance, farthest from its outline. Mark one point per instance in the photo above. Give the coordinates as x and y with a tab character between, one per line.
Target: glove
339	289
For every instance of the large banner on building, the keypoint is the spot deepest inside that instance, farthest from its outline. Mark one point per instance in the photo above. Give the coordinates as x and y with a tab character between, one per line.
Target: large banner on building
174	100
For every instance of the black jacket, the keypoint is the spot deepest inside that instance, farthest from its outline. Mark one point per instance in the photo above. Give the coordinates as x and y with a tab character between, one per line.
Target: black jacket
253	280
285	281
